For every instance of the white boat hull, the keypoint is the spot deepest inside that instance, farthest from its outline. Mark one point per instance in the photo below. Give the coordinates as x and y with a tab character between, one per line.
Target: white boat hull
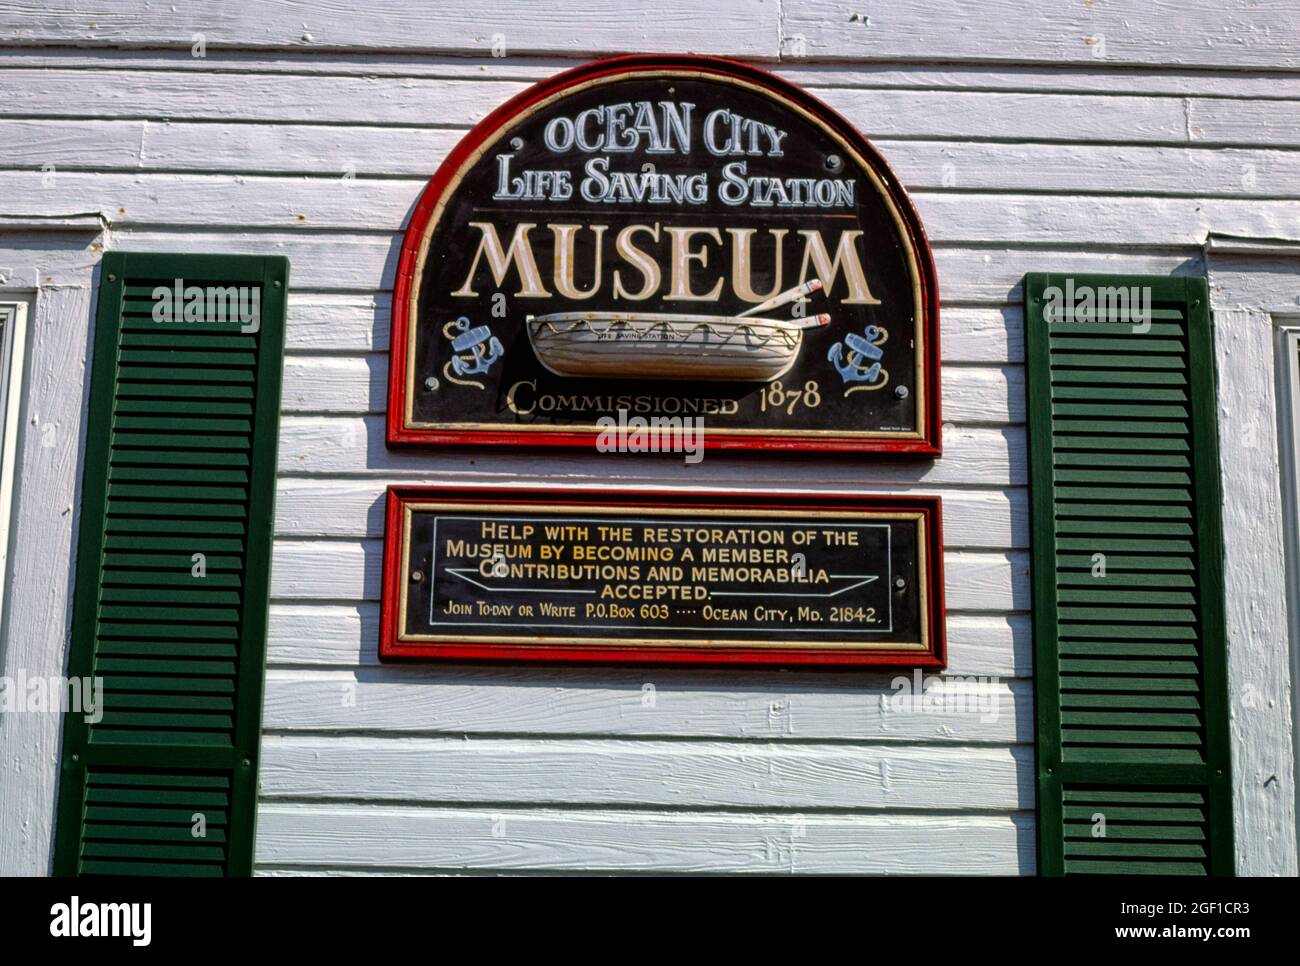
628	345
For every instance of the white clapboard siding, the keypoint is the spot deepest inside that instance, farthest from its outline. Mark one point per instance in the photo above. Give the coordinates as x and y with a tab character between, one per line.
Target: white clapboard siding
415	152
1150	81
1271	281
57	144
553	840
741	28
1006	116
1053	78
442	102
480	65
272	99
439	102
350	570
462	700
1206	33
354	509
1208	122
354	446
356	385
1192	32
61	255
359	324
645	773
347	635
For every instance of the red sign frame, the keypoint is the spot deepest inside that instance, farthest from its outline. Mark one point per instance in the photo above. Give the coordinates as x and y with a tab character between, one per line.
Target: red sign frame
399	433
392	646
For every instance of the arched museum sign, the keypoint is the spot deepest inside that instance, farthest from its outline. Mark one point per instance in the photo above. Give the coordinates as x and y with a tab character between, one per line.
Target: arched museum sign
671	237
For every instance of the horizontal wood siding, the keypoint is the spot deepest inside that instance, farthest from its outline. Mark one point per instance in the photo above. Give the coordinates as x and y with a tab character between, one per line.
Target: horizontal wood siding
309	133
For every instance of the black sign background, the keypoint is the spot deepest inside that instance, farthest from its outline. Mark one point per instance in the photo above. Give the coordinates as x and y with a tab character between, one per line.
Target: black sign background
887	408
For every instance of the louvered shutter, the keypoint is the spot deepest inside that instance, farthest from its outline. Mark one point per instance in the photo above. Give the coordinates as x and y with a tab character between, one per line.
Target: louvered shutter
1130	661
179	462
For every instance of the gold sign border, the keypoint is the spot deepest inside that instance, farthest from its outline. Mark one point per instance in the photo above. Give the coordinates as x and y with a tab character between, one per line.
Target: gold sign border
404	563
418	275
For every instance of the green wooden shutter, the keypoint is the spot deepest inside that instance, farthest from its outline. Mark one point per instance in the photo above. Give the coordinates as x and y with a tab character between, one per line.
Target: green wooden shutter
180	460
1130	666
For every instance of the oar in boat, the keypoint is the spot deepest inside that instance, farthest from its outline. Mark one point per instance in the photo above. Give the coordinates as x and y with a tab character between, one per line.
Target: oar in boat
788	296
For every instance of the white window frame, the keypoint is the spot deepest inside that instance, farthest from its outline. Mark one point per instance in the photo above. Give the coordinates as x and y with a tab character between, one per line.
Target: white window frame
1287	340
13	353
50	262
1255	290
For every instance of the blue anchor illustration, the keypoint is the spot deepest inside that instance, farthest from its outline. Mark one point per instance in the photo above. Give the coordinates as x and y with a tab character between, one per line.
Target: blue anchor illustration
476	351
854	368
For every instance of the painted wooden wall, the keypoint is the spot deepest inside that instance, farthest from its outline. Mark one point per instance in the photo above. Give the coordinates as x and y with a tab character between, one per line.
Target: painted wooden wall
1033	137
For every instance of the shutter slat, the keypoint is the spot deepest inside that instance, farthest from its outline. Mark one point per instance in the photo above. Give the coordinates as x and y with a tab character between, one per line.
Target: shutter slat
1110	458
1108	410
1141	615
1129	393
168	564
1132	433
1083	362
1122	561
1114	477
151	457
125	519
1123	444
1100	343
127	682
1090	737
159	494
207	595
167	340
160	818
1091	525
178	392
1084	867
182	407
174	474
1139	648
1127	580
1116	596
1136	850
132	627
186	424
1149	833
1081	512
236	365
1129	546
1077	682
162	578
202	702
1135	719
165	441
1072	631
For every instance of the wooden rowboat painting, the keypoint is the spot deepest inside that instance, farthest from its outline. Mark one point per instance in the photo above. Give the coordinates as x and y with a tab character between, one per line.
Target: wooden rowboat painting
664	345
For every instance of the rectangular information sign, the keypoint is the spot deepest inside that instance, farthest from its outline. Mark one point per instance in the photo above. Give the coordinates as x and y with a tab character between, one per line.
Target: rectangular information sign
654	577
